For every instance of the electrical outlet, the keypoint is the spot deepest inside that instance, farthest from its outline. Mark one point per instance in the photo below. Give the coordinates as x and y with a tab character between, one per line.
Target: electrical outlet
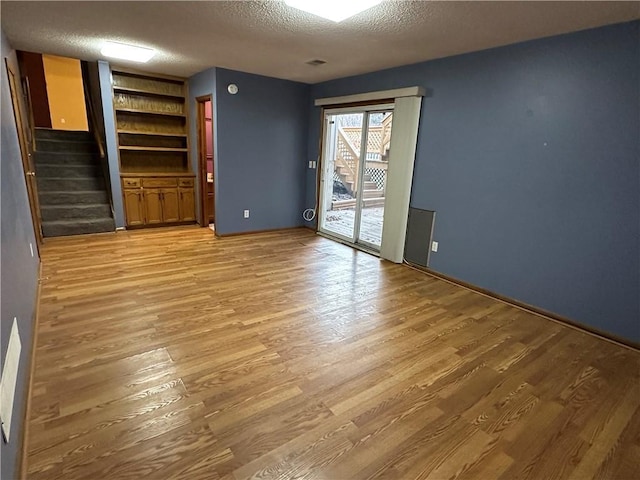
434	246
310	164
31	248
315	164
246	214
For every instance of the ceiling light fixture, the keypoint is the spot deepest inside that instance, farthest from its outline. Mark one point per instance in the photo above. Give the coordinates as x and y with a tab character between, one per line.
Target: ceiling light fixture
336	10
127	52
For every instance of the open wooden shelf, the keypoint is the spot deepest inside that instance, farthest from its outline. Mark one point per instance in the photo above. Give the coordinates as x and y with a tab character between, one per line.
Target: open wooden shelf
141	91
154	134
149	112
177	173
151	149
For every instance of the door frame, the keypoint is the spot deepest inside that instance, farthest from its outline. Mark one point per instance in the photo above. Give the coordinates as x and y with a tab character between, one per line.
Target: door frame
365	109
202	158
26	154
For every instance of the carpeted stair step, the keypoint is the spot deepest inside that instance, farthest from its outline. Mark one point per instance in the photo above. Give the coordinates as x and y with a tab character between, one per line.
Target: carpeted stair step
61	158
65	146
70	184
77	197
87	211
77	227
49	170
63	135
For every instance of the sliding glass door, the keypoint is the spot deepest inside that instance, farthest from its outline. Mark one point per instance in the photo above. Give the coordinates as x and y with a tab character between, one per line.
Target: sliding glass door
355	156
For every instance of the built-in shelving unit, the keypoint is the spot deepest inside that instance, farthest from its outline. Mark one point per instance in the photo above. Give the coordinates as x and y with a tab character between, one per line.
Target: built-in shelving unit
151	124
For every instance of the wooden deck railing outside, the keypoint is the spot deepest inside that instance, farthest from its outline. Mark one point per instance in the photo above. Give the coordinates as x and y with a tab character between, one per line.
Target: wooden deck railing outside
347	162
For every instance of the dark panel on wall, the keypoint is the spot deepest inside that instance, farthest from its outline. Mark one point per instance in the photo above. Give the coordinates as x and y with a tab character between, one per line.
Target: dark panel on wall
31	67
260	150
19	268
530	155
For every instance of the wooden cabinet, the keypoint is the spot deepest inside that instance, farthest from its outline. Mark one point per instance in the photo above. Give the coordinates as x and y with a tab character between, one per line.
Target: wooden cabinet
153	147
153	206
187	204
158	200
170	205
134	207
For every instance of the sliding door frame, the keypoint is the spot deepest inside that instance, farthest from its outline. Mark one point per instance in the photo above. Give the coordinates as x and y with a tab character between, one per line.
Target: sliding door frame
364	108
407	112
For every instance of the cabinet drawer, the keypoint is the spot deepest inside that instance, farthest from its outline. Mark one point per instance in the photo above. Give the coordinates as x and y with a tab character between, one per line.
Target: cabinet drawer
159	182
131	182
185	182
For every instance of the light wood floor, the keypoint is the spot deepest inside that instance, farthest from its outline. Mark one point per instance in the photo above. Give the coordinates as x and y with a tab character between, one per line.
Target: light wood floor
169	353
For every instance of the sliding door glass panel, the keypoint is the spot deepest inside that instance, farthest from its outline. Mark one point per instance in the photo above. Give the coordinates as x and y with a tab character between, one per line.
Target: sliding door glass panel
374	178
341	169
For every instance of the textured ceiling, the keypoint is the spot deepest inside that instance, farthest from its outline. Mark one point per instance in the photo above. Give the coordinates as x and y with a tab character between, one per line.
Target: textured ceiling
271	38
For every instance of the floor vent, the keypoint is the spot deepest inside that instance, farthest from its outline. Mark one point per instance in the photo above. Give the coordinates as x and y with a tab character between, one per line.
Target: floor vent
419	235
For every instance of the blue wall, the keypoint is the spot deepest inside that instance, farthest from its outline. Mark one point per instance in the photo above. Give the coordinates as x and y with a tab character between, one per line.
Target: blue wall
19	270
529	154
111	141
200	85
261	149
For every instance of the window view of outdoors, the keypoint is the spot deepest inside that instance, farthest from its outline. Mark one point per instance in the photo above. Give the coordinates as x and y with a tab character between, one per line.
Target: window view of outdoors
345	153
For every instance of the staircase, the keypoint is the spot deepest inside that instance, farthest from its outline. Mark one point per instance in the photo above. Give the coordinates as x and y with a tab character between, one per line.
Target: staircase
71	185
347	161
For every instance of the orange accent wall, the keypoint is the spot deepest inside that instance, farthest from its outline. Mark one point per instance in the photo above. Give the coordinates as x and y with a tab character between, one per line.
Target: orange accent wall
65	92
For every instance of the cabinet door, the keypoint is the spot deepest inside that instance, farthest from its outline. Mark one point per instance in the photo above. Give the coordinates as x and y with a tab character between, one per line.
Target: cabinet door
187	205
170	207
153	206
133	207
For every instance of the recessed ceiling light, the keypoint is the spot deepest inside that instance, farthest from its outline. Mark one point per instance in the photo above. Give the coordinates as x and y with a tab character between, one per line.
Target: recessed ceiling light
336	10
127	52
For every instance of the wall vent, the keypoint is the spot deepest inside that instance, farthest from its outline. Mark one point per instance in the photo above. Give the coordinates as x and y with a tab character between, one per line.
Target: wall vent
315	63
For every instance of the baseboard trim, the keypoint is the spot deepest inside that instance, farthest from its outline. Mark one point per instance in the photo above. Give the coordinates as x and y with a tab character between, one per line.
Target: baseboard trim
567	322
22	463
253	232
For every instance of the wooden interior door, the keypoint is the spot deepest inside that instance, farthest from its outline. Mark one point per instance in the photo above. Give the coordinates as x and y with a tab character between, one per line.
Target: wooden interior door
205	159
27	156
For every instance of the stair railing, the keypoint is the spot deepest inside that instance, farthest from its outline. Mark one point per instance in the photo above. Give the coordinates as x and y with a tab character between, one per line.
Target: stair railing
351	159
386	135
93	121
93	128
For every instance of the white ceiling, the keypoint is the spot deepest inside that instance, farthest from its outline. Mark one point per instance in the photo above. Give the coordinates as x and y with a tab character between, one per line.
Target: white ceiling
271	38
